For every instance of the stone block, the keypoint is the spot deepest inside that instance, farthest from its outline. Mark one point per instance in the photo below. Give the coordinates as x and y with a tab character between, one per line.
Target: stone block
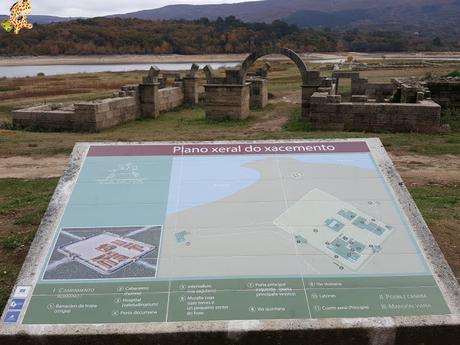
314	78
258	93
190	90
149	100
359	98
319	98
227	101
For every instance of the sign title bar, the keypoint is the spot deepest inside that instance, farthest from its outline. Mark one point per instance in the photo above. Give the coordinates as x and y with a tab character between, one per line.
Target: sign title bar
226	149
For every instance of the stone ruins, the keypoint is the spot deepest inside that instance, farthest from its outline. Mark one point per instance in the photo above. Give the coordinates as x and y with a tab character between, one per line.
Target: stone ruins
404	105
158	92
375	107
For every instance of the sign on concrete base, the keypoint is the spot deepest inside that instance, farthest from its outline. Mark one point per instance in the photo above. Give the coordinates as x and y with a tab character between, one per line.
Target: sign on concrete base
233	242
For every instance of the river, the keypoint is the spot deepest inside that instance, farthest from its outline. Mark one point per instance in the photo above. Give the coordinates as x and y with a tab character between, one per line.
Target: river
25	70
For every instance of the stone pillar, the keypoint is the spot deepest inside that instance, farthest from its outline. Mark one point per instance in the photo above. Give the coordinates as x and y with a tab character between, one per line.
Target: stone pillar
259	93
190	85
314	81
307	92
227	101
149	99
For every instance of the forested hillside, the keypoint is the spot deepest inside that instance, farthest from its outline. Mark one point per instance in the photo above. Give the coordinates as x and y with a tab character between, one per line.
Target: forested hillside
135	36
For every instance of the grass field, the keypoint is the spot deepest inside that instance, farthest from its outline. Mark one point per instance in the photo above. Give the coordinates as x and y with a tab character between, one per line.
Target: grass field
428	163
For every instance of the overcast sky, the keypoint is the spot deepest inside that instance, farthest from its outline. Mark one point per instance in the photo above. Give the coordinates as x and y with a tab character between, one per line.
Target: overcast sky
92	8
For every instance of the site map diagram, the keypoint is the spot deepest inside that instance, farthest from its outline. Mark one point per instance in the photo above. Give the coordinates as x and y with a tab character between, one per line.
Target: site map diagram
155	233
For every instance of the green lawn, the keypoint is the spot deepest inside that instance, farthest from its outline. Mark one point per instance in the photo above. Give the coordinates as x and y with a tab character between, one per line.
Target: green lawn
22	205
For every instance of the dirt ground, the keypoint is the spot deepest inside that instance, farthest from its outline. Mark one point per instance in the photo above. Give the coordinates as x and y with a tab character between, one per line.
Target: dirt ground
32	167
423	170
414	169
275	118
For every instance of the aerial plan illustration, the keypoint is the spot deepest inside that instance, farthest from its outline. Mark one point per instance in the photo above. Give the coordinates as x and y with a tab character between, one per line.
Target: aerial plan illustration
104	253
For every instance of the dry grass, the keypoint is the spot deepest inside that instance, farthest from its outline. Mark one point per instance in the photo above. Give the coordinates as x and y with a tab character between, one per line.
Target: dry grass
25	90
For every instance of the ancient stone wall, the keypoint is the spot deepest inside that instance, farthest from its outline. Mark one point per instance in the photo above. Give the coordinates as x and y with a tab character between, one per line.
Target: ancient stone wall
106	113
144	101
327	113
445	92
170	98
44	117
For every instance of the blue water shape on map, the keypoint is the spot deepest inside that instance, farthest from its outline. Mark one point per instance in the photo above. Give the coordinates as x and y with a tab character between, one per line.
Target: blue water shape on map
200	180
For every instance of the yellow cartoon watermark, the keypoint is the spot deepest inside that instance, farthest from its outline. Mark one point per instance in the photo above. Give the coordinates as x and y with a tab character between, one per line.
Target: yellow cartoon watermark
18	17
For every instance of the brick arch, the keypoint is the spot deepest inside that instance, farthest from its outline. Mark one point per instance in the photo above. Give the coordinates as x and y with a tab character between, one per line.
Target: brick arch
251	59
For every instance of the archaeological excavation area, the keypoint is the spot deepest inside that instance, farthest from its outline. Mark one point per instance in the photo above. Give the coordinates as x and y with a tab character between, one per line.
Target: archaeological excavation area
404	105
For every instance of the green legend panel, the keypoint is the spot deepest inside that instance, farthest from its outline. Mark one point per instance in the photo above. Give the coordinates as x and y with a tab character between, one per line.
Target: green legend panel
235	299
236	231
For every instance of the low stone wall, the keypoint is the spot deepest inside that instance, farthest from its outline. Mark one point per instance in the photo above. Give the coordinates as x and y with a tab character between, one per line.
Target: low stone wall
446	93
170	98
44	117
106	113
325	114
101	114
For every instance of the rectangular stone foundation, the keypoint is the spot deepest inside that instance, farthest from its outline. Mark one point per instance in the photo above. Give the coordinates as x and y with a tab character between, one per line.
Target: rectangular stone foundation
227	101
422	117
133	102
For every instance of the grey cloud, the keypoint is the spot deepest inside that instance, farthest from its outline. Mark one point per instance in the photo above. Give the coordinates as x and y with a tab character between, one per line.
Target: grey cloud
91	8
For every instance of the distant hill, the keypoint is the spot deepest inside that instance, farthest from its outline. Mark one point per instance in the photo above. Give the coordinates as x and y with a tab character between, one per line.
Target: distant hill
314	19
38	19
319	13
419	15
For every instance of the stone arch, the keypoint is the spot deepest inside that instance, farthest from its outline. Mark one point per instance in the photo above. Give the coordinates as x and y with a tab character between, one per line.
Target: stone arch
251	59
